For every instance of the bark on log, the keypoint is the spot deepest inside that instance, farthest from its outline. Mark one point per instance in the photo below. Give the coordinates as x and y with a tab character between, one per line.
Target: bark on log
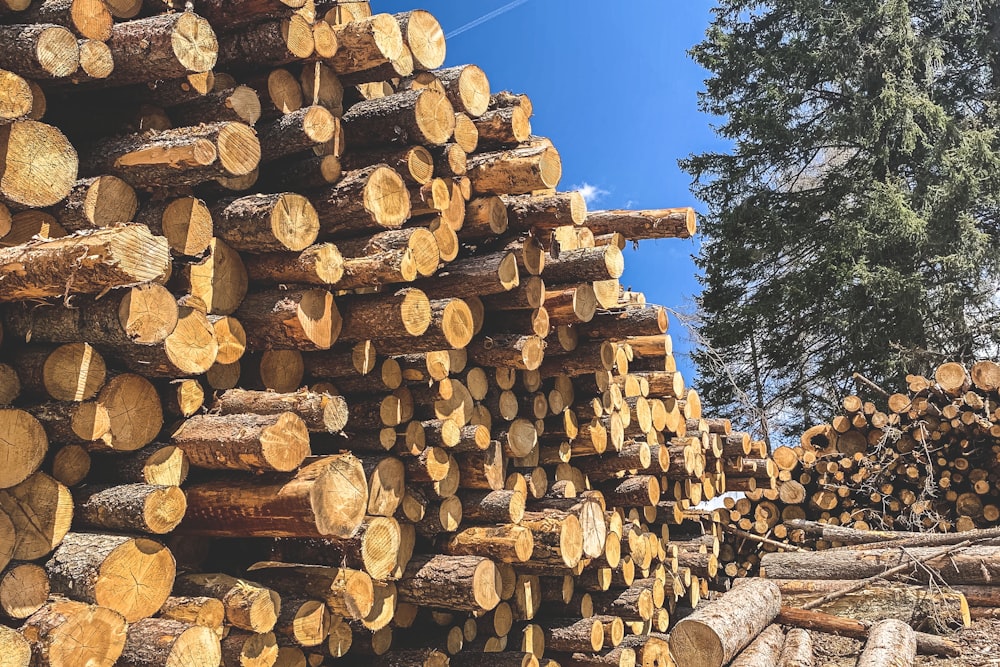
186	222
248	605
65	633
321	413
366	43
152	642
374	549
130	508
101	201
239	104
157	464
132	576
249	442
763	651
413	163
462	583
679	223
308	128
891	643
179	157
167	46
207	612
411	117
291	320
798	649
270	43
715	633
266	223
516	171
363	200
346	592
326	497
39	50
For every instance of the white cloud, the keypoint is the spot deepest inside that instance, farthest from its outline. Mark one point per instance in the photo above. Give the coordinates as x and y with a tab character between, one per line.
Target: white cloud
591	193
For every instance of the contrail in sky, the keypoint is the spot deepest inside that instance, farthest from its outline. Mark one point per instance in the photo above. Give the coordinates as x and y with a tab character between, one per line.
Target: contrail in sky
485	17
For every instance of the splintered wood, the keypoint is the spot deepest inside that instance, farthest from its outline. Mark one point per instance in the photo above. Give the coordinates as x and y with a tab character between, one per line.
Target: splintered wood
307	360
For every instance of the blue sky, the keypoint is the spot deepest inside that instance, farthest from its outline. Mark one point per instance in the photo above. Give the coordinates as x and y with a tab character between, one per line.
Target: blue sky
613	88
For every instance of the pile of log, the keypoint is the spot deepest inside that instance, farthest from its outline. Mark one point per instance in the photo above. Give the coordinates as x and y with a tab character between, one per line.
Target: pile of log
306	359
925	460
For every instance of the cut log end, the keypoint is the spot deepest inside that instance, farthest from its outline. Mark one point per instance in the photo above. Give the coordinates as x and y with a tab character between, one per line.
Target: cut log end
194	43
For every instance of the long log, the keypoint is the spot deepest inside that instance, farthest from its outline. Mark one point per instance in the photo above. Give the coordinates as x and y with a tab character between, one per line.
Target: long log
679	223
326	497
167	46
454	582
39	51
763	651
891	643
248	442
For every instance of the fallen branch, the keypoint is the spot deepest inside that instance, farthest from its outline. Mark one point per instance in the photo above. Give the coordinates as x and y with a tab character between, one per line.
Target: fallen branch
763	540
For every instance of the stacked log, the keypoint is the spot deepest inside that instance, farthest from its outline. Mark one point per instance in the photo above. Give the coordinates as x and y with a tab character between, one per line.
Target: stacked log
307	359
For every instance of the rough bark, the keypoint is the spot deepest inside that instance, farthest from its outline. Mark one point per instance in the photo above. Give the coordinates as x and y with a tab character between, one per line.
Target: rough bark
129	508
466	583
247	605
167	46
152	642
296	319
65	633
891	643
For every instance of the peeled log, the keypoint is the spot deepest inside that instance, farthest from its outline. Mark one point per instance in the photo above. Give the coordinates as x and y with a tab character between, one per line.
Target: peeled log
891	643
716	632
38	165
326	497
156	642
248	442
462	583
321	413
132	576
166	46
182	156
65	633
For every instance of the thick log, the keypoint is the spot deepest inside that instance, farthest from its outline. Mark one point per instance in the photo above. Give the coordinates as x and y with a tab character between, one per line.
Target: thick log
320	264
24	588
249	649
890	643
119	257
422	116
167	46
152	642
326	497
716	632
466	86
132	576
270	43
763	651
247	605
413	163
321	413
22	448
303	622
516	171
506	543
101	201
266	223
571	634
129	508
308	128
423	37
346	592
178	157
491	507
17	97
366	43
927	644
186	222
972	565
558	538
482	275
249	442
205	611
462	583
239	104
38	163
41	510
585	264
39	50
233	14
65	633
91	20
362	201
424	253
374	549
190	349
295	319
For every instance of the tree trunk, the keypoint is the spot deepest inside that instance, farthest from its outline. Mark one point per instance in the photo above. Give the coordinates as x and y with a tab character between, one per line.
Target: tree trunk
506	543
208	612
186	222
326	497
183	156
413	163
130	508
422	116
290	319
266	223
166	46
39	51
24	588
22	448
798	649
101	201
461	583
190	349
40	509
847	627
346	592
715	633
558	538
270	43
891	643
678	223
366	43
132	576
321	413
247	649
65	633
155	642
516	171
361	202
467	88
305	129
568	635
157	464
374	549
249	442
239	104
544	213
321	264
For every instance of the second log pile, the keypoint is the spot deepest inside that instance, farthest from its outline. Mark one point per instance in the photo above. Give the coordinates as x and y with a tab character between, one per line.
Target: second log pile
305	357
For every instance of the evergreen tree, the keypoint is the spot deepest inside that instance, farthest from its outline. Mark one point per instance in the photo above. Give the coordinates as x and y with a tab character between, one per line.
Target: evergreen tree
853	224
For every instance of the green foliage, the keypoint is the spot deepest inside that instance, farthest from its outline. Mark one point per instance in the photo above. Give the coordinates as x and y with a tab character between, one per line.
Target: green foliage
853	226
